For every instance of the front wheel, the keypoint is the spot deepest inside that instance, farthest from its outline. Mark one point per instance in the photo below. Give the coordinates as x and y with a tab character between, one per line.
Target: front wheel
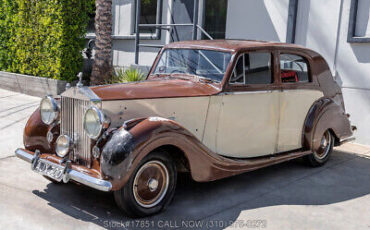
320	156
150	188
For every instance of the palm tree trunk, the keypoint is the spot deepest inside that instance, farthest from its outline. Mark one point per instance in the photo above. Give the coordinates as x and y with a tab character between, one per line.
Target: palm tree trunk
102	67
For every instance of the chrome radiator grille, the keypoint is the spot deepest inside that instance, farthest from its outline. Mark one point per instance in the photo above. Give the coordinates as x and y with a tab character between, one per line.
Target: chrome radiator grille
72	112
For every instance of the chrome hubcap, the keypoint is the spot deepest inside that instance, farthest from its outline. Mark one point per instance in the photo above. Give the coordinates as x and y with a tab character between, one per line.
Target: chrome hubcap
151	184
325	145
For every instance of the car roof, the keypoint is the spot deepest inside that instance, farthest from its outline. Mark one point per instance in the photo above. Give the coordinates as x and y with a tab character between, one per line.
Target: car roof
230	45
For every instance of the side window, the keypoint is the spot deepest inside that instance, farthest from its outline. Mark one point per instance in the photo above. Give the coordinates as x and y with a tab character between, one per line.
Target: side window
253	68
293	69
238	77
258	68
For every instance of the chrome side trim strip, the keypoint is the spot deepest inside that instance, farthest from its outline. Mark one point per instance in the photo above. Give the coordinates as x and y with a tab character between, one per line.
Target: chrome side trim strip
77	176
249	92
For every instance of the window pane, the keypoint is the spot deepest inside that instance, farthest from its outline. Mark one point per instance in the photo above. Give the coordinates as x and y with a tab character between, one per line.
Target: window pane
148	15
363	19
238	77
258	68
204	63
294	68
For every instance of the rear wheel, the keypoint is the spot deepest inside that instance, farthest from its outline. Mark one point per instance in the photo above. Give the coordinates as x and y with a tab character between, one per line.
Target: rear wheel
151	187
320	156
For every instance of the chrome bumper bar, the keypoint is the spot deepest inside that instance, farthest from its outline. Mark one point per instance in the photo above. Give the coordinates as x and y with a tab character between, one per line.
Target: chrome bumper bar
69	173
349	139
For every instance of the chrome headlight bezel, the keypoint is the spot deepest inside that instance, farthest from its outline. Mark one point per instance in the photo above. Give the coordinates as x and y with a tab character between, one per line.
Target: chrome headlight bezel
62	152
55	110
101	122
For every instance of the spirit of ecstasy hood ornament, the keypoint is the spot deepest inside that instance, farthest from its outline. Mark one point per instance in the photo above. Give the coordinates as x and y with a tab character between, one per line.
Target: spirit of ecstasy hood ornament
79	84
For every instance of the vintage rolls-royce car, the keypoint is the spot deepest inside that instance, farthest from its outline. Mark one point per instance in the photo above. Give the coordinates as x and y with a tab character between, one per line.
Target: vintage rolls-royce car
211	108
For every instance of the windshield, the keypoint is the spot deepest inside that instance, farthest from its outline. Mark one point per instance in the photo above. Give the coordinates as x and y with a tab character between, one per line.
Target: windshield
204	63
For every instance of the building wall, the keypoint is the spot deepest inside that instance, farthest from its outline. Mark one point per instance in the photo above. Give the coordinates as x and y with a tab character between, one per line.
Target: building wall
257	20
326	31
353	73
323	27
173	11
317	27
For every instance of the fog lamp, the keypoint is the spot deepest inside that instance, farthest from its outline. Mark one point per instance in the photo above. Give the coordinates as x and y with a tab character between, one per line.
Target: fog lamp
63	145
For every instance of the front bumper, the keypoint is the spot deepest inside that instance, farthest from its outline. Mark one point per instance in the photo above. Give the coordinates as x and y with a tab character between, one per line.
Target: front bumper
68	173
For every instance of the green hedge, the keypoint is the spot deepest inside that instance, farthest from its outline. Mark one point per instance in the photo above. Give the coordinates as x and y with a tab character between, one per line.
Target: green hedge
43	37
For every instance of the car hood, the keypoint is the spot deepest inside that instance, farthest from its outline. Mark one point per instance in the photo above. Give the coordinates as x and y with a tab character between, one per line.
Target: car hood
155	89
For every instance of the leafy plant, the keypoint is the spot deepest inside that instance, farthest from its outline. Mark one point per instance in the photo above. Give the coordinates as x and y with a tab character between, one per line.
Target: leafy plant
43	37
128	75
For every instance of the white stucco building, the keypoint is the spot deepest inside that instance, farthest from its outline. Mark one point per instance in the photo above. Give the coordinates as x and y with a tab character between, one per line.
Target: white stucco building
337	29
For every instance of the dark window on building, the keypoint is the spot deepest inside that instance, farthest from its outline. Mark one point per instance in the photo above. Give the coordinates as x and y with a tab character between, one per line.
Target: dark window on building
215	13
293	68
91	24
182	13
253	68
148	15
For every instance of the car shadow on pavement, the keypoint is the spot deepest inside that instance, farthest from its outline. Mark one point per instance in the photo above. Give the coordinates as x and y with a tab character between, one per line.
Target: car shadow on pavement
218	204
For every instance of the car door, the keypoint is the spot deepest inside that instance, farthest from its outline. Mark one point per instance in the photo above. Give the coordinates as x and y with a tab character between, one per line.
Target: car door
296	98
249	111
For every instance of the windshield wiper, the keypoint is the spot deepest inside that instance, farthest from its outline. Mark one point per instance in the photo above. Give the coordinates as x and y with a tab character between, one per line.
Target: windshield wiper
206	79
187	76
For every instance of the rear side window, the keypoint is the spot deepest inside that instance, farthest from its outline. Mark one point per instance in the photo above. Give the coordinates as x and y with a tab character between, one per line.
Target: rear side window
293	68
253	68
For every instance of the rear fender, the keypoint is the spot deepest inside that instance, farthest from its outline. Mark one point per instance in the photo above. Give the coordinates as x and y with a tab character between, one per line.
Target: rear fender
325	114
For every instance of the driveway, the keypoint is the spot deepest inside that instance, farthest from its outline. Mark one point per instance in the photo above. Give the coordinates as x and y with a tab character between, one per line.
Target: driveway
286	196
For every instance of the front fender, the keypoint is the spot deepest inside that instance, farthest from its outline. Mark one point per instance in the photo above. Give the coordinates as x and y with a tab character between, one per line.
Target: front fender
34	136
126	148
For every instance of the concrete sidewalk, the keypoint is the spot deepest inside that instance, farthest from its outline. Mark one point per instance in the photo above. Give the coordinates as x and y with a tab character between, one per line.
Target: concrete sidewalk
286	196
15	109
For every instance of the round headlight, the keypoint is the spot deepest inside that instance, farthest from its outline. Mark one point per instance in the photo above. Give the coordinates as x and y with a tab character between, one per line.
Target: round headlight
93	122
49	110
63	145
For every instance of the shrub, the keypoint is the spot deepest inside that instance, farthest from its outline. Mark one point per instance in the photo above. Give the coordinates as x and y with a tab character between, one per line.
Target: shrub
43	37
128	75
7	27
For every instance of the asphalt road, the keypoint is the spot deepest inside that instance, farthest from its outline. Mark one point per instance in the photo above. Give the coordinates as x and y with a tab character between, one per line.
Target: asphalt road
286	196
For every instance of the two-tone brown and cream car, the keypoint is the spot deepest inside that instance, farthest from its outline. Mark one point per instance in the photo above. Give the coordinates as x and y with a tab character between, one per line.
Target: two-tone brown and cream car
212	108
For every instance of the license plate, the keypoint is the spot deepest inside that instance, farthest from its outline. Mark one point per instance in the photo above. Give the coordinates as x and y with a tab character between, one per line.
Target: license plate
49	169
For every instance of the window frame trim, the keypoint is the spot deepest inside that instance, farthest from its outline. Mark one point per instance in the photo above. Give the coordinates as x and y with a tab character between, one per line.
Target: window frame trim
351	37
234	68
